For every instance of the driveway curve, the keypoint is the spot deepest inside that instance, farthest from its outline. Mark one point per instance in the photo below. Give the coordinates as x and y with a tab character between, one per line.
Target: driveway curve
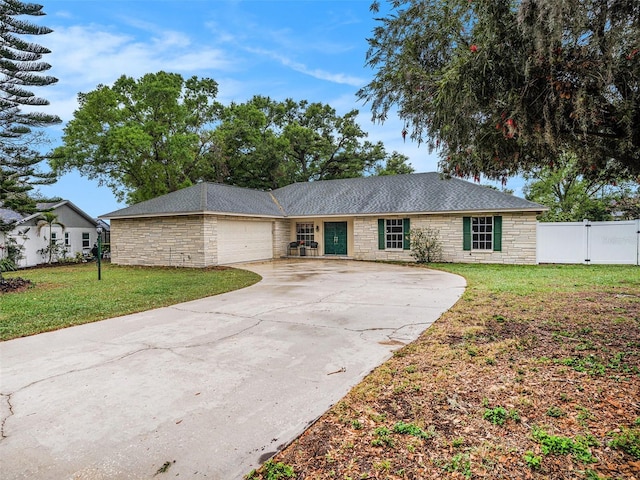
213	387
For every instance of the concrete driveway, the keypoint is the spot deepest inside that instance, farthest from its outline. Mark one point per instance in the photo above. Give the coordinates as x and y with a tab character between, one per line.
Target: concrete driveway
209	388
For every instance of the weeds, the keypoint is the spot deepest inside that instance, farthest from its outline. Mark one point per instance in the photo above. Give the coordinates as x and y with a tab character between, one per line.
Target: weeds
593	475
555	412
589	364
499	415
272	471
557	445
534	462
412	429
460	463
628	440
383	437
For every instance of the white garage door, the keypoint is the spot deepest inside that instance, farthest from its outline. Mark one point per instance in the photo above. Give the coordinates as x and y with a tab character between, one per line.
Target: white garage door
242	241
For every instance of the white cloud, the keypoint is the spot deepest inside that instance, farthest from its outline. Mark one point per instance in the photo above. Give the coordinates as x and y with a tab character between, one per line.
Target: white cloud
340	78
84	56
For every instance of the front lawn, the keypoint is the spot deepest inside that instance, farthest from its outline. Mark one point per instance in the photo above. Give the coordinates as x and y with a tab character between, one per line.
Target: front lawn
72	295
533	374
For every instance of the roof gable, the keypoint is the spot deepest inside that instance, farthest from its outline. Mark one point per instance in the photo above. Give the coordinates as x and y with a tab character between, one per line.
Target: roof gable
12	216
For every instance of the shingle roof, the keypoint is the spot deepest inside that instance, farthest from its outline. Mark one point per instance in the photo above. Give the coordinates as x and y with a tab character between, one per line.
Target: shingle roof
205	197
8	216
411	193
417	192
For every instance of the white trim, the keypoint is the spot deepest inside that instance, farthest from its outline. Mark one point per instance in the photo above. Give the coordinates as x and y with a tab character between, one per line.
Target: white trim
186	214
475	213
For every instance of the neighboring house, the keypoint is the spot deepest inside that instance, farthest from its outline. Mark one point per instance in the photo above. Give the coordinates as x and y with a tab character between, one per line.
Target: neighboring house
367	218
105	234
78	236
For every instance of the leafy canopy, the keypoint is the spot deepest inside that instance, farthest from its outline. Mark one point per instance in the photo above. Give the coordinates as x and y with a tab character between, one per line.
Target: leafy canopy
142	138
502	87
572	197
158	134
268	144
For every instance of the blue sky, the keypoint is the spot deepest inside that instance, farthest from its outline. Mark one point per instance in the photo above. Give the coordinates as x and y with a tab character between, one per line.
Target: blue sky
301	49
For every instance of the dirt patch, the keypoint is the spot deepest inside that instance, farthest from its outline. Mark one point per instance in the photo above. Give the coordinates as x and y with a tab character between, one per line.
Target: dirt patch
502	387
12	285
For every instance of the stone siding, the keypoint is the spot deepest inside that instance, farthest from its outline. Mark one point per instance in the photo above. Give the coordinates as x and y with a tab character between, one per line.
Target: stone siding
518	239
281	237
163	241
191	240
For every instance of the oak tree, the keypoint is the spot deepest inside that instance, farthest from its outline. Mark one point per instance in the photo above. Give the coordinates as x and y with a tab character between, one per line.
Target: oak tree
267	144
142	138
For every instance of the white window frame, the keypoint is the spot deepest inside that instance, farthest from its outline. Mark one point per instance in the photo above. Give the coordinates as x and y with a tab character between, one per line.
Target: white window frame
86	240
482	233
305	232
394	233
67	240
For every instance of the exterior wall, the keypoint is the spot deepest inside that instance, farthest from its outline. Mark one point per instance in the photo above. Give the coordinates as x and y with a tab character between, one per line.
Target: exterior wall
518	239
191	241
178	241
31	239
210	239
163	241
282	236
319	234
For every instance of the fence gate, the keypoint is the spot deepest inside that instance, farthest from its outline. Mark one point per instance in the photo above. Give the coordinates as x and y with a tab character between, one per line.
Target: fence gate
589	242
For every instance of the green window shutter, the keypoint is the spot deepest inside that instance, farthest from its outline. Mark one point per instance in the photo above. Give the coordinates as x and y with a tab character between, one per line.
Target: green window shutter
466	233
497	233
381	235
406	230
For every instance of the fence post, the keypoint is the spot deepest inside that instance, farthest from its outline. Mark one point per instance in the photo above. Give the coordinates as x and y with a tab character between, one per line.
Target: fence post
587	251
637	241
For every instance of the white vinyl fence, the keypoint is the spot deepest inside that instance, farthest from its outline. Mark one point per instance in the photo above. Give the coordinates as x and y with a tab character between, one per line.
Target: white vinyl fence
589	242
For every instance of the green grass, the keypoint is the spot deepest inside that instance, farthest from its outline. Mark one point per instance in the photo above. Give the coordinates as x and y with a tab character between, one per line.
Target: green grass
72	295
528	279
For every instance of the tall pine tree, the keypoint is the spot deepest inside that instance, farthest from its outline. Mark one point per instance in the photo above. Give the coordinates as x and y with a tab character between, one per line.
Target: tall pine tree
20	69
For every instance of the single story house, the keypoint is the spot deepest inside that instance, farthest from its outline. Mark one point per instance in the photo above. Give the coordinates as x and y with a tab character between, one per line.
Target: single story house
77	237
367	218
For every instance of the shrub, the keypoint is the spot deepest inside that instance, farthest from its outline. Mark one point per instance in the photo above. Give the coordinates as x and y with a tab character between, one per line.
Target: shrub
426	246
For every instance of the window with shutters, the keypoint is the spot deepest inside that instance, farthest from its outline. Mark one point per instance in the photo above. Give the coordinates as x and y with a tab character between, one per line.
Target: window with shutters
482	233
394	233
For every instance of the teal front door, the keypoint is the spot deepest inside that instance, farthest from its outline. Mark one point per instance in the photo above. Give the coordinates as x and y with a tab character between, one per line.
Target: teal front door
335	238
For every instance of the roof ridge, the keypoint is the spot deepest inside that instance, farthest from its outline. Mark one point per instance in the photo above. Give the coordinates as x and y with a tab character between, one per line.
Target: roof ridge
204	190
275	200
